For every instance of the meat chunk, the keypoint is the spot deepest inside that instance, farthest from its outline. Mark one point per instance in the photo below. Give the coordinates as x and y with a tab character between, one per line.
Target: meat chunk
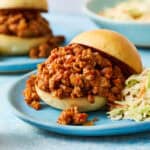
30	94
43	50
72	116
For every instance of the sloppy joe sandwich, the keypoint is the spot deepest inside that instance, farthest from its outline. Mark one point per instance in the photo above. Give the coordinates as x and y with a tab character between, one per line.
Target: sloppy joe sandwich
22	26
88	73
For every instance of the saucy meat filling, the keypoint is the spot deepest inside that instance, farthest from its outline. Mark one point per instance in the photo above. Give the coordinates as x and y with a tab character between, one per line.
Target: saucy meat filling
23	23
78	71
43	50
30	94
72	116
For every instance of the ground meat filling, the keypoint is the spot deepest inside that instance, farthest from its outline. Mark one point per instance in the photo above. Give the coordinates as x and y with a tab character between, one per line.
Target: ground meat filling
43	50
23	23
72	116
78	71
30	94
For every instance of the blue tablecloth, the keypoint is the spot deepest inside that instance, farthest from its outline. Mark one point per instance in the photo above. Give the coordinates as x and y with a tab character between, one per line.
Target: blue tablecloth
17	135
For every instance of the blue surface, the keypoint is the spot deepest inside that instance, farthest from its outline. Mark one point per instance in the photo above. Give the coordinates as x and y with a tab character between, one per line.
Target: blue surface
137	32
46	118
61	25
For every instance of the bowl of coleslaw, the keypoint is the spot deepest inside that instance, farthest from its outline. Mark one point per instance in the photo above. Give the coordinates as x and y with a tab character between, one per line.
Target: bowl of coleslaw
129	17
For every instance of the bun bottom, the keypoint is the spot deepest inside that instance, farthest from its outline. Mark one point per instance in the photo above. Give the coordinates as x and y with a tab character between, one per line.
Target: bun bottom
82	103
13	45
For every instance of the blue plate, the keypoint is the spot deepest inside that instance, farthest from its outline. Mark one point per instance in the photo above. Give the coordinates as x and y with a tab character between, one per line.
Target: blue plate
47	116
64	25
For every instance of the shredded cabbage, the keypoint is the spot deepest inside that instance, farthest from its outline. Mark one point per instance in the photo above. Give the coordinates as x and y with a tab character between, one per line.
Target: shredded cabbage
136	103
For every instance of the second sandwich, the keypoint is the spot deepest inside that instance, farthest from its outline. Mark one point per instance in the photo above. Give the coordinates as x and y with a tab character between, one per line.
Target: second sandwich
22	27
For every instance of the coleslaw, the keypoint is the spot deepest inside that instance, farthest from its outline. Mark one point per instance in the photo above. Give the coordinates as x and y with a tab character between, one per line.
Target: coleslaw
136	103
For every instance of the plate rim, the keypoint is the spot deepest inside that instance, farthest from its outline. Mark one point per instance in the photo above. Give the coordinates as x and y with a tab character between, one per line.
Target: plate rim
19	67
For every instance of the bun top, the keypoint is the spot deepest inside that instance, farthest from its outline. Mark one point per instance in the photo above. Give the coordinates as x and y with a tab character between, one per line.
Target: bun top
112	44
40	5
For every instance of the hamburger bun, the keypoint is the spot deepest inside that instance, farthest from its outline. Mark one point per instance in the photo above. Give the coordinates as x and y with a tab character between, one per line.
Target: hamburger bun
113	44
82	103
40	5
13	45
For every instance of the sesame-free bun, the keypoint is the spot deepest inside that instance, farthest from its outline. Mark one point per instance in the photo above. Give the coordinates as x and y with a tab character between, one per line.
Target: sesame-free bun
13	45
82	103
113	44
40	5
